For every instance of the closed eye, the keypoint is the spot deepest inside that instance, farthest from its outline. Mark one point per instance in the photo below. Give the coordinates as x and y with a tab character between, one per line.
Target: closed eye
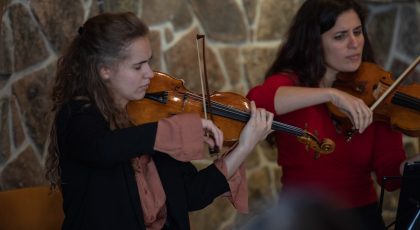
138	66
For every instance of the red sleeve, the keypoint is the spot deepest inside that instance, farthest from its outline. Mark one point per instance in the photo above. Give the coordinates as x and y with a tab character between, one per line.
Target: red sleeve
389	154
263	95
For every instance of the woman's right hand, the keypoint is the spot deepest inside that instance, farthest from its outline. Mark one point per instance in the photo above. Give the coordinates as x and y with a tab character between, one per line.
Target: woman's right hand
215	137
354	108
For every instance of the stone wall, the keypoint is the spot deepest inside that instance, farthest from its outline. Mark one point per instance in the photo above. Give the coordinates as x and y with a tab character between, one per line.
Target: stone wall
242	37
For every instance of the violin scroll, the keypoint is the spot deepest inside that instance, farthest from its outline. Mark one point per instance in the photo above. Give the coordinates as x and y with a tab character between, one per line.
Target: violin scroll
327	146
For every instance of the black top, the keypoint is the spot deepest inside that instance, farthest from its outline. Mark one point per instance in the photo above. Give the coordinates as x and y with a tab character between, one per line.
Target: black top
98	182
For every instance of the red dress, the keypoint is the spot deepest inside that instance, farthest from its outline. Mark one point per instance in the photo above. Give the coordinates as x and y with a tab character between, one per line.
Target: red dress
346	174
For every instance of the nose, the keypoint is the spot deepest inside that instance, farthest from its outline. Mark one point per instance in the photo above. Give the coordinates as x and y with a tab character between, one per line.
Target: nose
353	41
149	73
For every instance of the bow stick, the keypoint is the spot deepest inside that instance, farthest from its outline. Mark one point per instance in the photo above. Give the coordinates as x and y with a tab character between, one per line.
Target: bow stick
205	87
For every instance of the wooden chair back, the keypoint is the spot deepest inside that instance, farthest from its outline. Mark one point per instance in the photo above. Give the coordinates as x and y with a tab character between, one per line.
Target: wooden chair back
34	208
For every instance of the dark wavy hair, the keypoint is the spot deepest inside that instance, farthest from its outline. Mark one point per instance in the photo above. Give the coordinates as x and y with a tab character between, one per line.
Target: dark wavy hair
102	40
302	52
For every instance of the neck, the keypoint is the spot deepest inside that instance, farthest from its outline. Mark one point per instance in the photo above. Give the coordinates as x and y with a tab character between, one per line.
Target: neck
120	103
328	79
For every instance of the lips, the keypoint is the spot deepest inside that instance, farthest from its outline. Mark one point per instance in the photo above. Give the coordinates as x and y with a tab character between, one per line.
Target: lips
354	57
145	86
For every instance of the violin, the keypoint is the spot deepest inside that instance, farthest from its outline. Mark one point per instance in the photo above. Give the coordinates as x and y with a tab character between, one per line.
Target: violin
398	106
167	96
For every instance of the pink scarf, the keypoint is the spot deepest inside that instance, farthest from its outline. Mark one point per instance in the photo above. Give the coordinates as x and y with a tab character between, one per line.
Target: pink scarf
183	143
151	192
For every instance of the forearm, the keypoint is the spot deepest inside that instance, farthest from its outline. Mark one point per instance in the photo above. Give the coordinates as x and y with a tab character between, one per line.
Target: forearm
181	137
235	158
256	129
89	140
291	98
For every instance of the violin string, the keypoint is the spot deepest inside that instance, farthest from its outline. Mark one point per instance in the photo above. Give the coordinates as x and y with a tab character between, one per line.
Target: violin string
230	112
402	99
396	82
406	101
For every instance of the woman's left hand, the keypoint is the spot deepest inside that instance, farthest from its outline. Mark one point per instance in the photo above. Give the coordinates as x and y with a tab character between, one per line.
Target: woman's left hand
257	128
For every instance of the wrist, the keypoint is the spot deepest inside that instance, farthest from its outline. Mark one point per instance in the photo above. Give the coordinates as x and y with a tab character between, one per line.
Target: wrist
331	94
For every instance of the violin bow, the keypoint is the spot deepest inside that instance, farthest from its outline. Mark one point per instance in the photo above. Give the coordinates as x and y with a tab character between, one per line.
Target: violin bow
396	83
205	86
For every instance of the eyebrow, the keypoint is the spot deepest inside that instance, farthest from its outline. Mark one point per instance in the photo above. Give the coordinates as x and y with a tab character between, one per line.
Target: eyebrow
141	62
345	31
358	27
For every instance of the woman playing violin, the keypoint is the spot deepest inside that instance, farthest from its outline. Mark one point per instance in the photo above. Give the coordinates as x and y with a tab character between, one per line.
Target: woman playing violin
116	175
327	37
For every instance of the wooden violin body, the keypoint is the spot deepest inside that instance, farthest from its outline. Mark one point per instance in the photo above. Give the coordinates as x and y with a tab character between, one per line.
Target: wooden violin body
400	108
167	96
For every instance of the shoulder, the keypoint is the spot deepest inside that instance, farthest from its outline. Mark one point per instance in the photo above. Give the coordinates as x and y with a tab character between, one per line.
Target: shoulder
77	108
271	83
288	78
